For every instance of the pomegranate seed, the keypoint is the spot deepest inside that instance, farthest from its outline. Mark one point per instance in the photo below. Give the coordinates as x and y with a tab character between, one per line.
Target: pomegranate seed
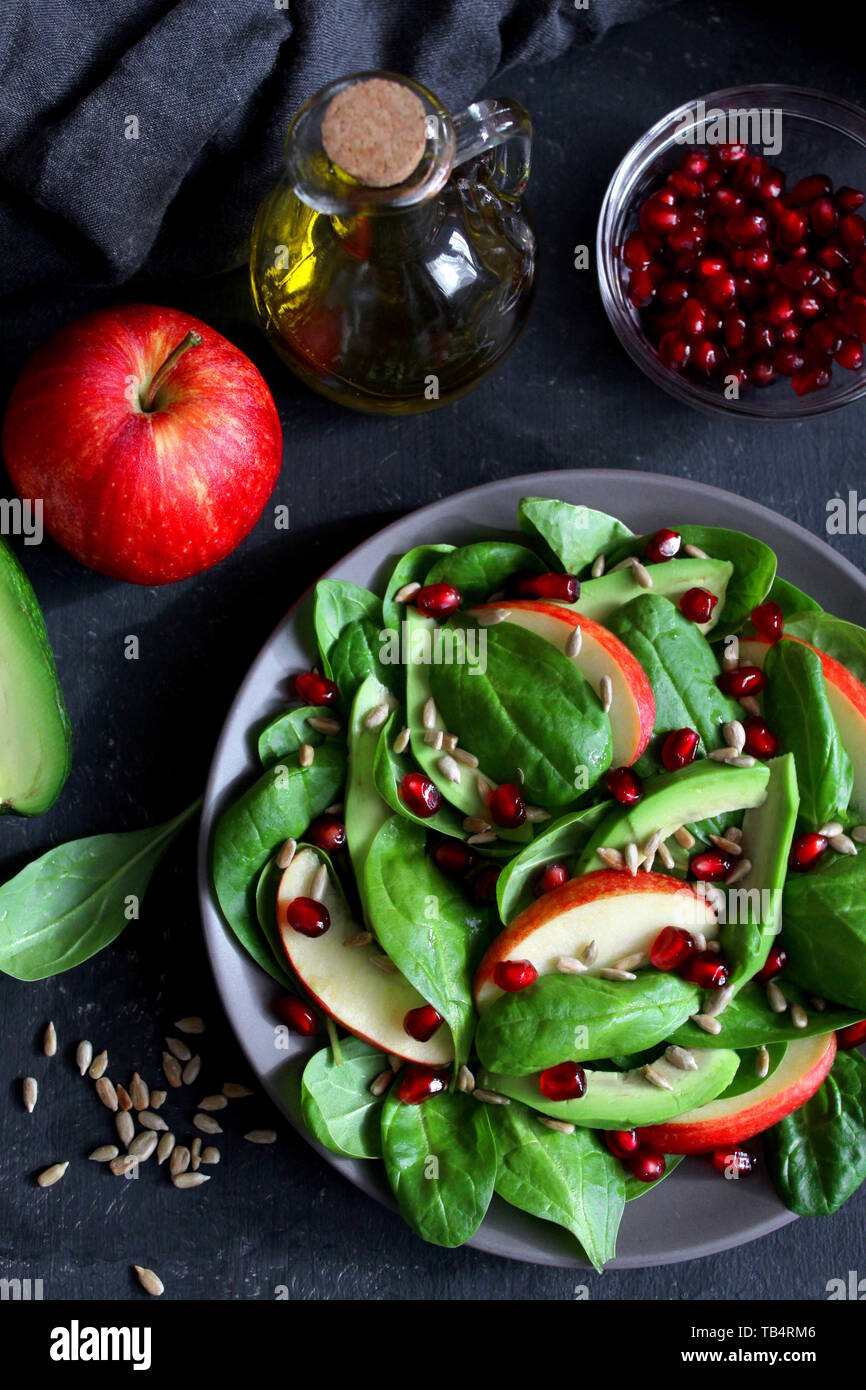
812	380
761	742
506	806
731	152
780	308
671	948
759	261
850	354
693	320
673	292
745	680
624	786
454	858
821	340
790	333
798	275
705	969
561	588
852	230
687	187
774	965
705	357
686	239
636	253
762	372
772	185
307	916
852	1036
823	216
710	266
807	850
514	975
746	228
721	290
725	201
621	1142
808	189
327	833
680	747
768	621
735	329
674	351
831	256
748	174
641	290
737	1163
484	884
566	1081
296	1015
422	1023
437	600
761	335
422	796
695	162
664	545
657	217
710	865
788	361
698	604
551	876
808	306
419	1083
646	1165
848	199
790	226
314	689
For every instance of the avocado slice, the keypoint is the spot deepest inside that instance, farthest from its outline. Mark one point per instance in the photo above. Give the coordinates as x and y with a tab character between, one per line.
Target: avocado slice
365	810
601	598
673	799
35	737
625	1099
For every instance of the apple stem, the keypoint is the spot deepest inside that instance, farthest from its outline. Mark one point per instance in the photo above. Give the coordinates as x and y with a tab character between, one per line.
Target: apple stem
161	375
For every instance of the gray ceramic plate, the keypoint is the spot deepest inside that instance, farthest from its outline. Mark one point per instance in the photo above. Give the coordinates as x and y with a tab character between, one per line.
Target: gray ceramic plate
693	1212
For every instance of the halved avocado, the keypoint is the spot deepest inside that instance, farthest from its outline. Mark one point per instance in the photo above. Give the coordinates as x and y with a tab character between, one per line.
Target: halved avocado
625	1099
35	736
673	799
601	598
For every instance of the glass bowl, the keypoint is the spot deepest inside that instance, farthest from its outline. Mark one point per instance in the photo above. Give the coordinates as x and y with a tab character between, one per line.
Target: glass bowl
819	133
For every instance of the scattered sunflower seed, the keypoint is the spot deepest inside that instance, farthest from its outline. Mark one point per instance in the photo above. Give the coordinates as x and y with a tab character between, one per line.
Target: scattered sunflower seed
605	690
559	1126
483	787
323	723
150	1282
729	846
395	1063
484	837
570	965
180	1157
762	1062
261	1136
723	755
143	1145
631	962
642	574
476	825
734	833
598	567
306	755
49	1176
799	1017
665	856
106	1092
125	1126
449	742
730	658
609	973
714	946
536	814
213	1103
741	870
831	828
375	718
843	844
165	1147
104	1153
489	617
157	1099
189	1025
29	1093
84	1056
611	857
655	1078
429	714
195	1154
465	757
124	1099
734	735
465	1080
123	1164
859	834
408	591
750	705
336	808
652	845
171	1069
211	1154
717	1002
700	940
320	882
743	760
139	1092
384	963
380	1083
184	1180
178	1048
434	738
49	1041
449	768
148	1120
684	838
632	858
819	1005
695	552
361	938
775	998
206	1123
681	1057
589	954
401	742
574	643
490	1097
708	1024
286	853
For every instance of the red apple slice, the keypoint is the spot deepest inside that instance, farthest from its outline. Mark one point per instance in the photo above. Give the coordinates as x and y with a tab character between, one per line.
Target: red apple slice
847	699
343	979
633	710
721	1122
621	914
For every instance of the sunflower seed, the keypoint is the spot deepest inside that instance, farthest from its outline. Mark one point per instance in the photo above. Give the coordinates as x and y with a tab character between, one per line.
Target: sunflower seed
213	1103
178	1048
319	884
648	862
831	828
684	838
695	552
306	755
722	755
729	846
49	1176
775	998
485	837
598	567
608	972
652	845
476	825
184	1180
139	1092
743	760
626	564
434	738
206	1123
750	705
681	1057
323	723
125	1126
401	742
449	768
536	814
559	1126
179	1160
106	1092
123	1164
395	1063
211	1154
717	1002
375	718
49	1041
819	1005
605	690
611	857
734	735
489	617
730	658
843	844
465	757
429	714
361	938
642	575
709	1025
735	834
148	1120
29	1093
655	1078
165	1147
195	1154
380	1083
150	1282
104	1153
171	1069
799	1017
570	965
336	808
483	787
143	1145
261	1136
449	742
574	643
384	963
859	834
631	962
286	853
189	1025
521	776
465	1081
762	1062
665	856
408	591
589	954
157	1099
490	1097
632	858
84	1056
700	940
741	870
124	1099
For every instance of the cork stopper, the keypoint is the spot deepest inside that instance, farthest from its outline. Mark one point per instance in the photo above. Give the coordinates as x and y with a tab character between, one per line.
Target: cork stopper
375	131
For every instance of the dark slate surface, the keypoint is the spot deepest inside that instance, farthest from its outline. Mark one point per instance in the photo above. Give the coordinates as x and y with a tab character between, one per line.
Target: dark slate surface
144	731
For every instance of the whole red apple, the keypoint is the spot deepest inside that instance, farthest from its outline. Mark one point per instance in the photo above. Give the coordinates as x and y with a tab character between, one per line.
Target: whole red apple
153	442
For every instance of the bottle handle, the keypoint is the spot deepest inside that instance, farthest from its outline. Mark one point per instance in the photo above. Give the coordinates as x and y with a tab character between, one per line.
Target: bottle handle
501	130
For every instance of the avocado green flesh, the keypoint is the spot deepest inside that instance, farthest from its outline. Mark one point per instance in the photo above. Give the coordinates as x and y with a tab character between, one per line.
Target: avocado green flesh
672	799
600	598
626	1100
35	743
365	810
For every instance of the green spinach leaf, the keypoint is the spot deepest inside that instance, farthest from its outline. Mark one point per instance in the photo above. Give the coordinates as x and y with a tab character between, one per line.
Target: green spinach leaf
791	600
411	568
825	929
749	1021
817	1155
634	1188
483	569
389	769
562	840
336	1101
797	708
285	734
349	625
569	537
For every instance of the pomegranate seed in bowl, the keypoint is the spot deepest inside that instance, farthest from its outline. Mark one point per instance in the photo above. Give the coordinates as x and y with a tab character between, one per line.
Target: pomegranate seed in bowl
745	680
710	865
454	858
327	832
768	621
314	689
